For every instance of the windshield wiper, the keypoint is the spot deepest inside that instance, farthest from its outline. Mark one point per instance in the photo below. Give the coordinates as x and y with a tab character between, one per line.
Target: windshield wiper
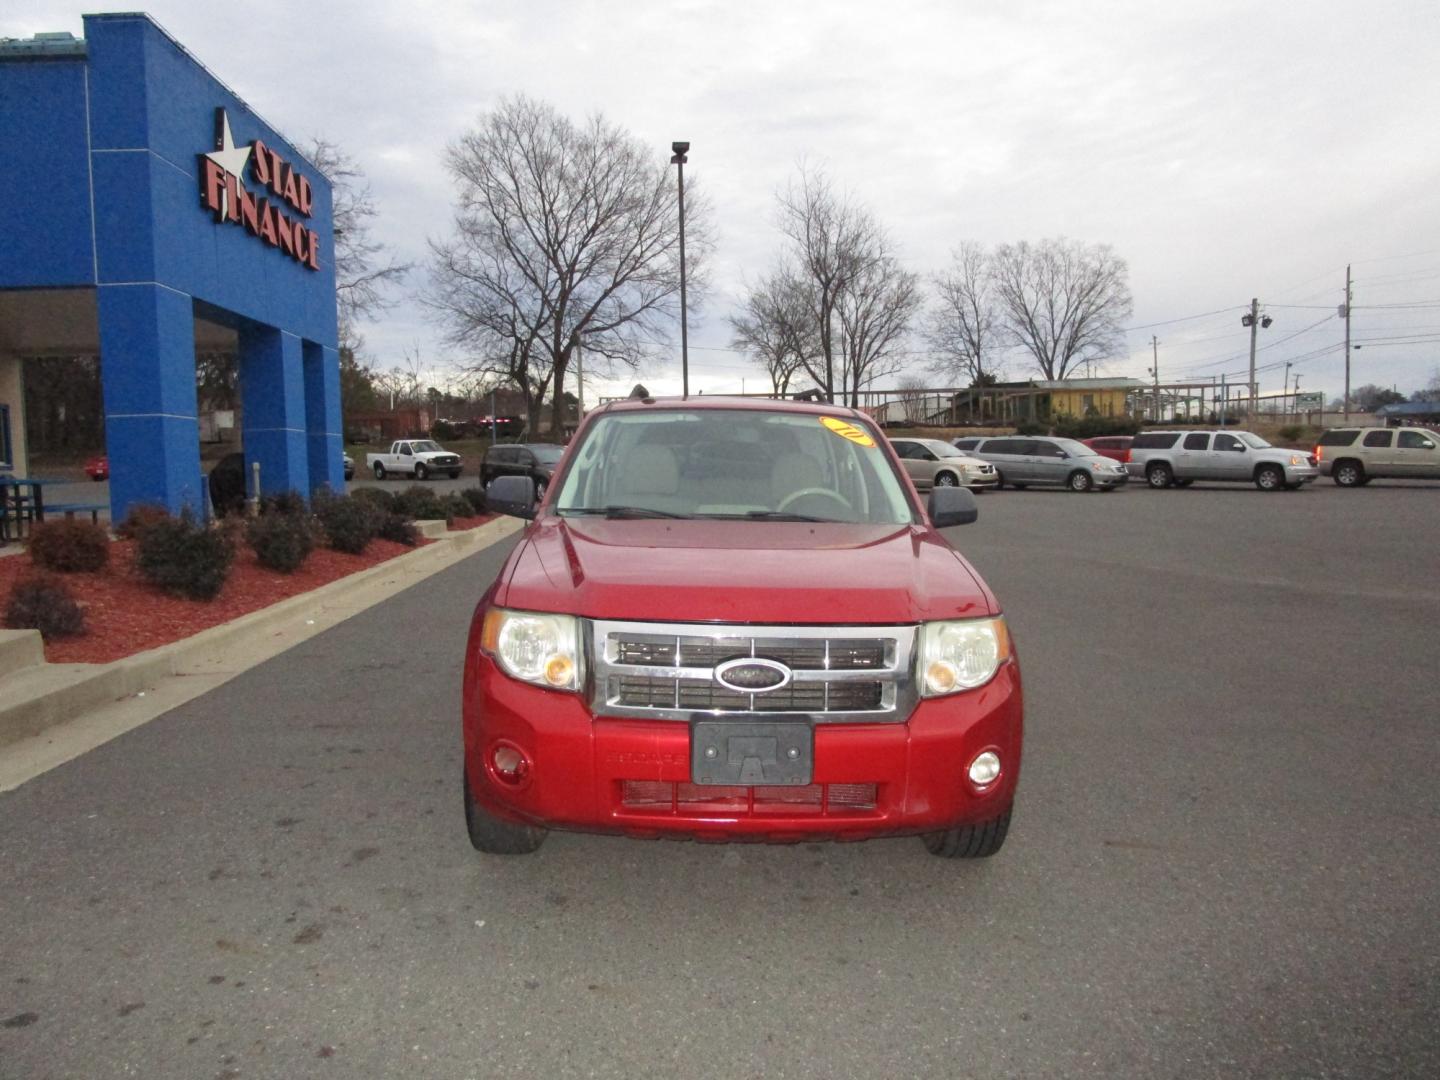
765	515
614	512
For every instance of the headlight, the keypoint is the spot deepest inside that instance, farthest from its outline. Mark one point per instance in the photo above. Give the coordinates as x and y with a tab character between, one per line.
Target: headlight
960	655
1097	465
1297	461
540	649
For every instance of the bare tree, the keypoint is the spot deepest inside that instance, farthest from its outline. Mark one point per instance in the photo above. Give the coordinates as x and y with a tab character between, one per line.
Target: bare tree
364	270
832	243
963	329
1063	301
774	327
875	309
565	234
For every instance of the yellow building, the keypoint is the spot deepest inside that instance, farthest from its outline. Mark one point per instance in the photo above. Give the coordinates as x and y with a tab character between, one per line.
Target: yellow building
1088	397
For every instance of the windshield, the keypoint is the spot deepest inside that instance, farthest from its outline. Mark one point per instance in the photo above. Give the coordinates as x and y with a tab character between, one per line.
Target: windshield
732	463
424	447
940	449
547	455
1253	441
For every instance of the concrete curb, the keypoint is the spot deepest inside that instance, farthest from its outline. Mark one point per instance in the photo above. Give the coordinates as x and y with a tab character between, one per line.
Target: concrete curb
38	697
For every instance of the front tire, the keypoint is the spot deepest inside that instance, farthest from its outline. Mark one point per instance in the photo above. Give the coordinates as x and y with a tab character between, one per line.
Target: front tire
1348	474
454	474
1159	476
1080	481
421	472
496	836
978	841
1270	478
379	471
946	479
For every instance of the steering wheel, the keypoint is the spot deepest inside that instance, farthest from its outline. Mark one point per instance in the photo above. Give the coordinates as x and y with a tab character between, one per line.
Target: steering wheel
796	496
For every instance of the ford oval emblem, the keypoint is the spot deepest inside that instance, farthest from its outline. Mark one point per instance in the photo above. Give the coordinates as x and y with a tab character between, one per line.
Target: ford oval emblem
752	675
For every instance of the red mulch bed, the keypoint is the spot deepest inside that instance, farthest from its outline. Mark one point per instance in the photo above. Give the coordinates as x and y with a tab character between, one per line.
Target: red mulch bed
124	615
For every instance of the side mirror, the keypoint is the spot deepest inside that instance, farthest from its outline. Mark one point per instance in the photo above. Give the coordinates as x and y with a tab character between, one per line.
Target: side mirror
951	506
512	495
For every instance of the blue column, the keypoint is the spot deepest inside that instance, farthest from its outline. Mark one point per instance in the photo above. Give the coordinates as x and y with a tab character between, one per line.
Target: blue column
322	417
147	374
272	395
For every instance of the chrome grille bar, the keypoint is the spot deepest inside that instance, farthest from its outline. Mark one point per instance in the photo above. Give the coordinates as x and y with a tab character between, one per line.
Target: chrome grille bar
834	669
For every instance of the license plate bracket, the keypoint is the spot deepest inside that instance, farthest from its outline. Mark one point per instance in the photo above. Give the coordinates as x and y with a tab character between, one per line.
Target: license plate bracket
752	753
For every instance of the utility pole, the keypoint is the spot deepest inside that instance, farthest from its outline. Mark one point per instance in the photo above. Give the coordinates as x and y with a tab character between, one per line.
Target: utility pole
1254	329
1155	371
1297	399
1286	393
1345	310
680	149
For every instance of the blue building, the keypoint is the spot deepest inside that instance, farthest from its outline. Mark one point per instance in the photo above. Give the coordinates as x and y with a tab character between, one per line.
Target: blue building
146	211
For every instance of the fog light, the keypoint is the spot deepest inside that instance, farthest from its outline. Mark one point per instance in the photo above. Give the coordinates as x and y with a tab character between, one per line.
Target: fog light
985	768
510	764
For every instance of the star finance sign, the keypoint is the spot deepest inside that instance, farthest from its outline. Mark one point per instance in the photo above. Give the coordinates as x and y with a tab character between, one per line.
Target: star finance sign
224	193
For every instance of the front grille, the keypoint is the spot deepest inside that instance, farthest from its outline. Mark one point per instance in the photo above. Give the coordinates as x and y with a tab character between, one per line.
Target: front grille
706	695
668	671
663	797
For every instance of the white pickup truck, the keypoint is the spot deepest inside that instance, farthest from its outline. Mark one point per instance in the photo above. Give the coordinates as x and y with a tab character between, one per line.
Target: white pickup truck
413	457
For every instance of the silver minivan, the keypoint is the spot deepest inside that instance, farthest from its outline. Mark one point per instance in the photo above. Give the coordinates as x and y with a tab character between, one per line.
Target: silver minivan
1024	460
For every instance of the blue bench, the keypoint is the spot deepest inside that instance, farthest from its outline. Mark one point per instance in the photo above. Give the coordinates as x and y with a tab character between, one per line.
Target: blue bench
71	509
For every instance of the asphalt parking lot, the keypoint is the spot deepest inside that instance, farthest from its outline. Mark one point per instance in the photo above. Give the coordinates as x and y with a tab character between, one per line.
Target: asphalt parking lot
1223	861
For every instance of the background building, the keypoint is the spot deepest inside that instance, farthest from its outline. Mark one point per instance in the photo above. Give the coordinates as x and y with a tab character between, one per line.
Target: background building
149	215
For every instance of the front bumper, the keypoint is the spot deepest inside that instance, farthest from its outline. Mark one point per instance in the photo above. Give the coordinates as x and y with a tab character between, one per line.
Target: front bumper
585	771
1300	474
1111	479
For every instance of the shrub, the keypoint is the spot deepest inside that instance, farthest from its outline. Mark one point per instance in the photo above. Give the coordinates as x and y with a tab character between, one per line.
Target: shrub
379	498
281	541
180	556
1089	427
398	528
69	546
442	430
44	602
140	516
419	502
289	503
1031	427
349	524
476	498
458	505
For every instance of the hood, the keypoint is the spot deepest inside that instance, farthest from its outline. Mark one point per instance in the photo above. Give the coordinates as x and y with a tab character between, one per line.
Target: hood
741	571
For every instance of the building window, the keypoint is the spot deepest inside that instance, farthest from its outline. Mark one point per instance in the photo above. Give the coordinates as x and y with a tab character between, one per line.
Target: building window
6	460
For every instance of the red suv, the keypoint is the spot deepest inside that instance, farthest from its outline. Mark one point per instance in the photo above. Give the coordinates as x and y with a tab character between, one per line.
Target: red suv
735	620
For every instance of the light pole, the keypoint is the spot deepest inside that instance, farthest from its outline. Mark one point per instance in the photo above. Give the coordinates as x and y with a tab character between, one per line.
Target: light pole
1254	320
680	149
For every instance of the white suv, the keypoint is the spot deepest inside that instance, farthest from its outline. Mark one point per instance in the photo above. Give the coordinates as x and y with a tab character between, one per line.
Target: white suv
1355	456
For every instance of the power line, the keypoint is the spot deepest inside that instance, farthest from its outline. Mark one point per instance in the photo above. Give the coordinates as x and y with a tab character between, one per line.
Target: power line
1183	318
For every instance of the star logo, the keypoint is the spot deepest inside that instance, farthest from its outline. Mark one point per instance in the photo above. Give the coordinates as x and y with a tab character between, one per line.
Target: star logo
231	158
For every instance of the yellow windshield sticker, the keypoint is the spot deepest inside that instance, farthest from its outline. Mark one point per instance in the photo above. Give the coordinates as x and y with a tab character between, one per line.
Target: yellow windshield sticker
847	430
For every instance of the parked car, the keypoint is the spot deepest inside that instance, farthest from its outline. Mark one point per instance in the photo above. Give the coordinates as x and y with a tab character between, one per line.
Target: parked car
1352	457
349	466
1163	458
414	457
935	463
1111	446
98	468
1021	460
785	647
536	461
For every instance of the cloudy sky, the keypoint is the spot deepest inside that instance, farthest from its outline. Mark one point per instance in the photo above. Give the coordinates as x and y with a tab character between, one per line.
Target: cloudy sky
1226	150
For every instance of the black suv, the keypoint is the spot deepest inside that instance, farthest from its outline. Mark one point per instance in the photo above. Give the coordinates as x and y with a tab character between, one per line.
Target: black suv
535	460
